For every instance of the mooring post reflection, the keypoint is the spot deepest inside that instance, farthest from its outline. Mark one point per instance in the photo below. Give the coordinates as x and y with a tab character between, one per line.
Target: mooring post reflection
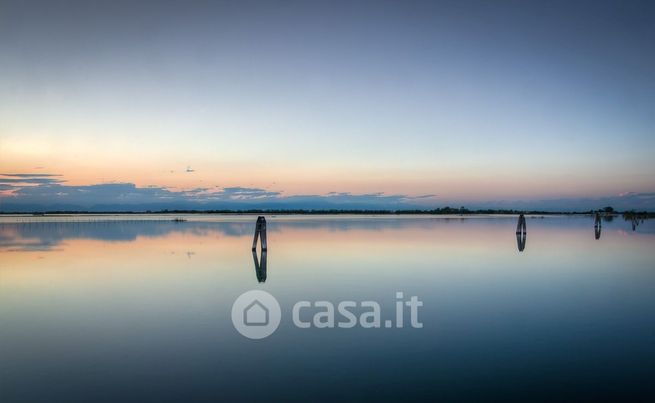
260	266
260	229
634	218
520	240
597	226
520	225
521	233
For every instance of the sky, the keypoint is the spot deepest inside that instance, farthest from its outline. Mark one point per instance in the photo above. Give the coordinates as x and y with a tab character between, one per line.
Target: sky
307	104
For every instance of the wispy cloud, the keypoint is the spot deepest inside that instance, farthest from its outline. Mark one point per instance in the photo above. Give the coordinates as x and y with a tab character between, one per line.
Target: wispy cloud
241	193
28	178
29	175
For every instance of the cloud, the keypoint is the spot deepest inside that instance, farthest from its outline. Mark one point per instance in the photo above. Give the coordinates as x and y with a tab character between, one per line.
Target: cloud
245	193
30	180
29	175
128	196
34	179
30	193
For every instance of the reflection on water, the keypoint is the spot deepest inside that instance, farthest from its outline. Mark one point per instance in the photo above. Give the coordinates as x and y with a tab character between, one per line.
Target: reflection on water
598	225
260	266
48	235
521	238
140	310
43	236
521	233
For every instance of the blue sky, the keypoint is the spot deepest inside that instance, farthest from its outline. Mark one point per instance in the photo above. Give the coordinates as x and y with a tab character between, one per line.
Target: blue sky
469	101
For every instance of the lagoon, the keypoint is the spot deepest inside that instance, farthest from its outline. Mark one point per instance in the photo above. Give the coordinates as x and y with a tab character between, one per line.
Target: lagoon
137	308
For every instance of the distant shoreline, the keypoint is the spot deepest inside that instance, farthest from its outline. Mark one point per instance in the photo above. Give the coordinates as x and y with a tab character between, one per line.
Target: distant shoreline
435	212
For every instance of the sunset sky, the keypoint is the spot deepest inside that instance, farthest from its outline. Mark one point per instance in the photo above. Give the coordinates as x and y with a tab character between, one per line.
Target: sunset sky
423	103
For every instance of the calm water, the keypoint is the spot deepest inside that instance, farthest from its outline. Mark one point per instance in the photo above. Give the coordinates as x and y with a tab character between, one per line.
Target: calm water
138	309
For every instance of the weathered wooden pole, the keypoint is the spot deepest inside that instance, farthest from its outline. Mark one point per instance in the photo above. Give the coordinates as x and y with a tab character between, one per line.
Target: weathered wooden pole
263	231
260	229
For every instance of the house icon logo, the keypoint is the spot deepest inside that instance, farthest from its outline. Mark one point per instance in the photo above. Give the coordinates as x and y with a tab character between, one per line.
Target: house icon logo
256	314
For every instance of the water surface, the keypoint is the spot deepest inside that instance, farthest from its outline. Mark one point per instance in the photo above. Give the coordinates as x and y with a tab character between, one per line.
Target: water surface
137	308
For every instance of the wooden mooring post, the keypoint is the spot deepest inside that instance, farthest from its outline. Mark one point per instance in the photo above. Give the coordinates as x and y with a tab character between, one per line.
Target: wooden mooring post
260	230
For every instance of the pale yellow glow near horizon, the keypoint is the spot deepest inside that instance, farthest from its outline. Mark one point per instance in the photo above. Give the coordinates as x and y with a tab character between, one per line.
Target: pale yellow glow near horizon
86	163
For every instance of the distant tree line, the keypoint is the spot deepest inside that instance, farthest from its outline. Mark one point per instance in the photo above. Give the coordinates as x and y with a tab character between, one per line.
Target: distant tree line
438	211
